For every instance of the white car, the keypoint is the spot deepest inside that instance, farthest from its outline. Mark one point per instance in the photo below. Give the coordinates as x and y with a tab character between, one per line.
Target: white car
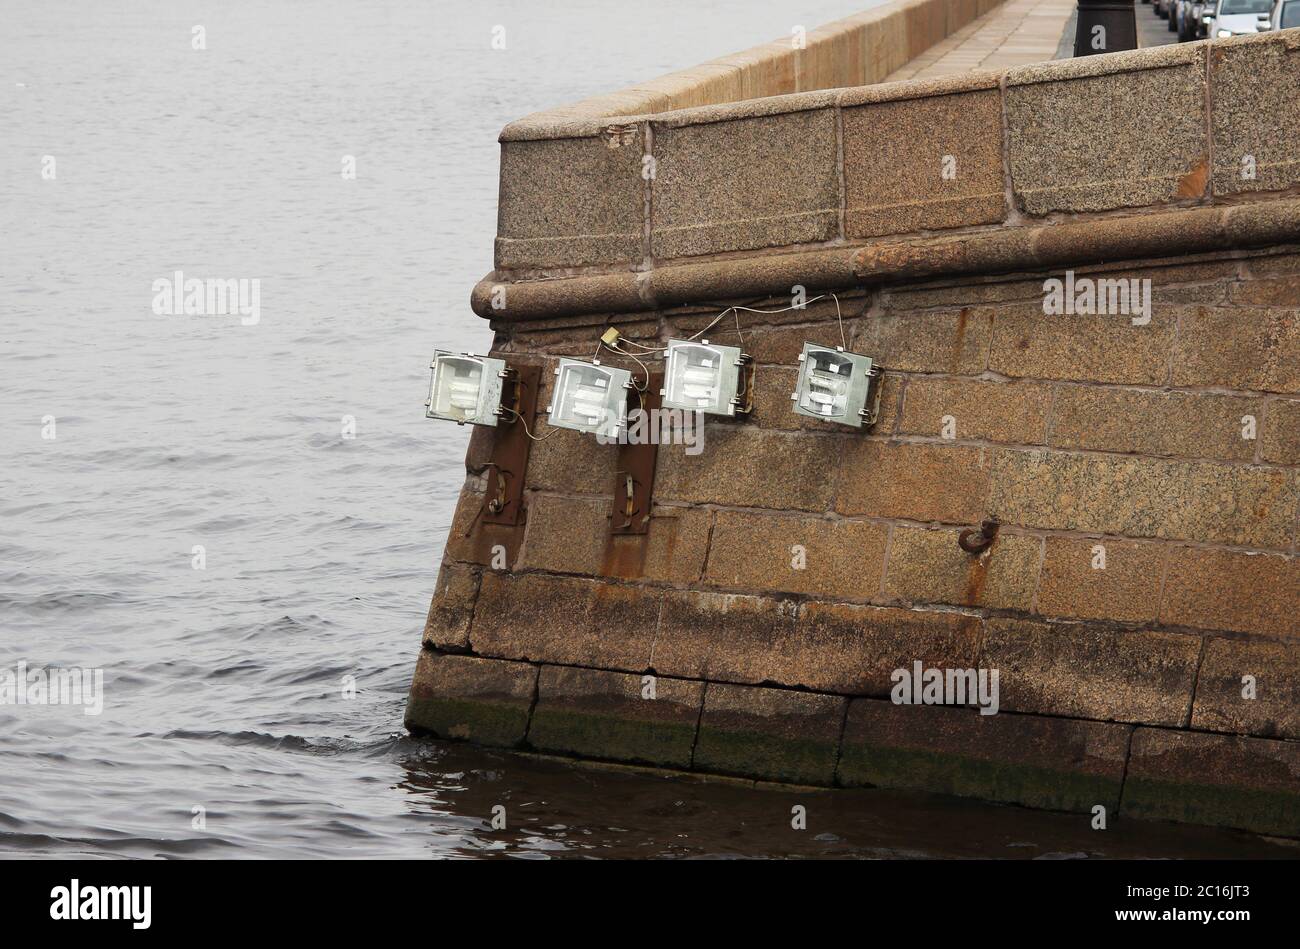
1286	15
1241	17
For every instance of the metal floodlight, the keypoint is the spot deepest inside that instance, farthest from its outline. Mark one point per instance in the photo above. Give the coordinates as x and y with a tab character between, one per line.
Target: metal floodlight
590	398
702	377
465	388
836	386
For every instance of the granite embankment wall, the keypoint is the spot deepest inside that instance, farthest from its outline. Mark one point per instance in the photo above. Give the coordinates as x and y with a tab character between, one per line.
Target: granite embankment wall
1174	444
855	51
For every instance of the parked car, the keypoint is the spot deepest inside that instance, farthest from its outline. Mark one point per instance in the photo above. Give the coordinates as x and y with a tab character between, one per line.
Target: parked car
1205	19
1286	15
1201	15
1241	17
1190	19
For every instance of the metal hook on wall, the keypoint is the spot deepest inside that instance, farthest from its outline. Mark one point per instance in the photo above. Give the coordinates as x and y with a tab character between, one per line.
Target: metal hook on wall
976	540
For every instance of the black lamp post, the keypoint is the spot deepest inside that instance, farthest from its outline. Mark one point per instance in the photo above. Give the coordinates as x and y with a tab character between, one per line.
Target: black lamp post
1105	26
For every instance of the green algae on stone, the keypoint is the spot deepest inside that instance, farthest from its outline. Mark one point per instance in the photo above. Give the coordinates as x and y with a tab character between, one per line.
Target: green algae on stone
481	721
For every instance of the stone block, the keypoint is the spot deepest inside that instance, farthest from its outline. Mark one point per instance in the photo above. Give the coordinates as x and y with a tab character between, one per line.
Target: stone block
1054	763
1267	706
598	714
928	566
565	535
827	647
1088	671
928	163
854	650
1013	412
1255	148
1029	344
796	554
772	734
1221	780
923	482
672	550
570	202
1280	440
952	341
571	462
742	465
1282	292
762	181
1071	150
1101	579
572	535
447	626
1143	497
1233	590
1186	424
563	620
782	345
486	701
1246	348
721	637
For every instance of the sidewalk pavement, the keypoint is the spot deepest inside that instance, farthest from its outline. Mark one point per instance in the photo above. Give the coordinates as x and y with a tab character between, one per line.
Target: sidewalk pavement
1016	33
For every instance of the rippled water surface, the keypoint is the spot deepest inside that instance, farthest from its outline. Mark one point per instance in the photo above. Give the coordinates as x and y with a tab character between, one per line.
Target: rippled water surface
224	685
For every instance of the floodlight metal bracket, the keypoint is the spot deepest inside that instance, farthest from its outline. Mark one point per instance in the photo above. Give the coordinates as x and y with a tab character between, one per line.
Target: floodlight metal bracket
871	411
634	476
743	400
503	502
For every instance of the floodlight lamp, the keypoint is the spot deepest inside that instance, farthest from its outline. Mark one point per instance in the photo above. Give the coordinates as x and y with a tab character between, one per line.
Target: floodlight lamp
465	389
590	398
702	377
836	386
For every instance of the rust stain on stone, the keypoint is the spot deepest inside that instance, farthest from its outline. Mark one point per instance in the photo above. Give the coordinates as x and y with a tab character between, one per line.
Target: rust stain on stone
969	629
625	555
960	339
486	537
976	576
1192	184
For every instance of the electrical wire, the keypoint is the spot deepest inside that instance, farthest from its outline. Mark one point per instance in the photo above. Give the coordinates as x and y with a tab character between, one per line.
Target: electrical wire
843	342
614	348
733	311
643	346
536	438
644	368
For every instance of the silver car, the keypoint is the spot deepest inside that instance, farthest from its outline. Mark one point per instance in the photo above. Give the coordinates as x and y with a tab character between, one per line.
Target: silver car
1241	17
1187	19
1286	15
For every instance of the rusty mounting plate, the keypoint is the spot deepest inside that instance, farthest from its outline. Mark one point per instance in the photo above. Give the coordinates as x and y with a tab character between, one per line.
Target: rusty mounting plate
635	476
503	503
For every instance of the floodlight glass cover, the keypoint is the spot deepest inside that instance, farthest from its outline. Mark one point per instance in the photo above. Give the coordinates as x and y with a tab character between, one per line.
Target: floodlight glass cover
702	377
590	398
465	388
836	386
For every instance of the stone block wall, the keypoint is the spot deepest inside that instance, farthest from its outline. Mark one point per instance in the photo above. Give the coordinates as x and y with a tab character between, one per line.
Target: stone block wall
1166	448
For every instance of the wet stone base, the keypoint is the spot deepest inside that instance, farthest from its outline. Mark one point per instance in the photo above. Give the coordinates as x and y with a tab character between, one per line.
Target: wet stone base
807	738
1053	763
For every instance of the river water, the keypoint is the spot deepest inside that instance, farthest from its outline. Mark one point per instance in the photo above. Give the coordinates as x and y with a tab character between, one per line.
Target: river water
137	447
